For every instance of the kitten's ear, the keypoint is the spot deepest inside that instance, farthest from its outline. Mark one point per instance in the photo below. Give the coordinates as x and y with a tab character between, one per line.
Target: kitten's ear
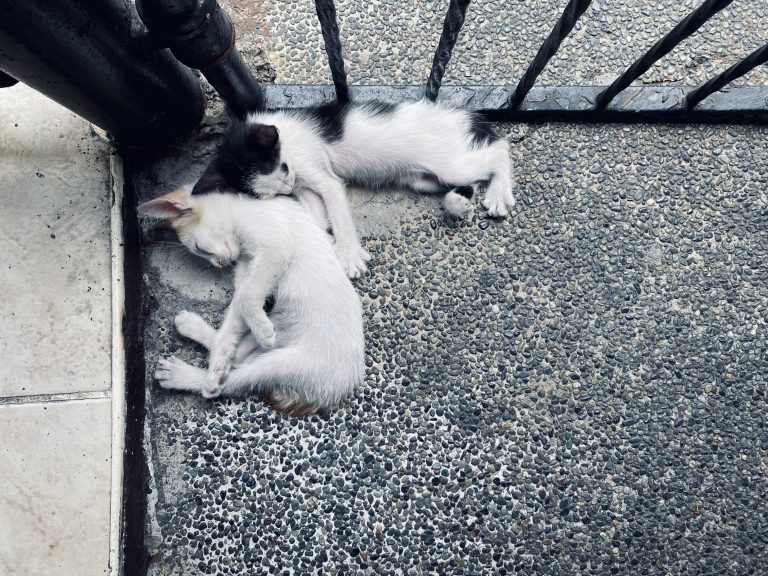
210	180
169	206
262	136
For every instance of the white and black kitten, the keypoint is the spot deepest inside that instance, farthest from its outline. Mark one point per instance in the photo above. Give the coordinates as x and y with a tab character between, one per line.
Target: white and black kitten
312	152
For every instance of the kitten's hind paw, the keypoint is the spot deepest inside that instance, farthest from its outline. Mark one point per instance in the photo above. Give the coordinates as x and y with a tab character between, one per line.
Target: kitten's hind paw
498	205
174	374
352	259
457	205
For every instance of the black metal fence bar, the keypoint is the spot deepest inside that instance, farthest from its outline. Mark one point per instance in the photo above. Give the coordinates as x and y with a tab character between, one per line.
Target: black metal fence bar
563	27
685	28
758	57
454	20
326	13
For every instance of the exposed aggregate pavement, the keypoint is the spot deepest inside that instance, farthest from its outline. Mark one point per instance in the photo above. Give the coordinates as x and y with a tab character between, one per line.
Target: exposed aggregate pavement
579	389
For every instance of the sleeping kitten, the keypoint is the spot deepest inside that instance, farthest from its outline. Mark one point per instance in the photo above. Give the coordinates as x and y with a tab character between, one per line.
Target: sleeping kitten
307	355
423	146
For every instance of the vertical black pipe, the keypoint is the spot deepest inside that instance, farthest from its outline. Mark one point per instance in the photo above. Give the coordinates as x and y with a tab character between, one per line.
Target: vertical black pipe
201	36
91	57
326	13
454	20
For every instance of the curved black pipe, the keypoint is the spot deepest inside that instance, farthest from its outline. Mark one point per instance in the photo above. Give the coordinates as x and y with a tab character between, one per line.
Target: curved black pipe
7	80
93	57
201	36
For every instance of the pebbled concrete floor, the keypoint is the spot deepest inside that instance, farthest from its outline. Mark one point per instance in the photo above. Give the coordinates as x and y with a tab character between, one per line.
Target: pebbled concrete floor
579	389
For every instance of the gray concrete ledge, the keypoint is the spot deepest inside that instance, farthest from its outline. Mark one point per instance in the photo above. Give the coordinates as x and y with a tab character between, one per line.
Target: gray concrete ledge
553	103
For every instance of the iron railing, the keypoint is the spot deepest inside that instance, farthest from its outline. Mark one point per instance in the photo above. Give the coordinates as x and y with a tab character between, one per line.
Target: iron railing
618	102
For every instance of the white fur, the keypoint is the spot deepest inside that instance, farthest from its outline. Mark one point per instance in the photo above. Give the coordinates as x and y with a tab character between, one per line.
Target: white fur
456	204
397	147
310	347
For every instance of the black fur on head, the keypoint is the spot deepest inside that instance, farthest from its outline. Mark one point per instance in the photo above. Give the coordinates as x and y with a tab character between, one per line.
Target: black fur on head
246	150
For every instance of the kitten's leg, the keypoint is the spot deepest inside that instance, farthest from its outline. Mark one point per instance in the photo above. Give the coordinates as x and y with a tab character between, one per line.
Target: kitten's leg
256	280
348	249
499	199
487	163
192	326
223	348
457	201
175	374
426	183
248	346
260	374
314	205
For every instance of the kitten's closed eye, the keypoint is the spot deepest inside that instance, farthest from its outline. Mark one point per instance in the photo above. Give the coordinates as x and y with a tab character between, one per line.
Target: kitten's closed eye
205	252
284	167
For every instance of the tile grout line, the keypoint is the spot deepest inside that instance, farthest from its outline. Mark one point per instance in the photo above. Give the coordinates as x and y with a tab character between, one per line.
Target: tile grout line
50	398
118	365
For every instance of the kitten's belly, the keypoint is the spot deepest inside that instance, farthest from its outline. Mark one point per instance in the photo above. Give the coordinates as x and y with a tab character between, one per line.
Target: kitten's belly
375	168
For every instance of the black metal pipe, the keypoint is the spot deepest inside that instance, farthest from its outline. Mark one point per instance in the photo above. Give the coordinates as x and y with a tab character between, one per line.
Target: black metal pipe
684	28
6	81
201	36
755	59
454	20
91	57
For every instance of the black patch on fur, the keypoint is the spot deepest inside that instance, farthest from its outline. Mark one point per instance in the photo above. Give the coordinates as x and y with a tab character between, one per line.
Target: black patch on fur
482	131
246	149
466	191
329	119
378	108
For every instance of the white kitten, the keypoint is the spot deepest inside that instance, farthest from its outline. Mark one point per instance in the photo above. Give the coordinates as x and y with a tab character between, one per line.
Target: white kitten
307	355
421	145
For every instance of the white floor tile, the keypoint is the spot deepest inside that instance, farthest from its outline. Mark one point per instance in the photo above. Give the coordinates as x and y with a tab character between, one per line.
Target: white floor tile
54	488
55	247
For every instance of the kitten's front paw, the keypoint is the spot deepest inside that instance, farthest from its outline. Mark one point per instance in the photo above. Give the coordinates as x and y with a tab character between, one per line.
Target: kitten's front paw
218	372
498	205
352	258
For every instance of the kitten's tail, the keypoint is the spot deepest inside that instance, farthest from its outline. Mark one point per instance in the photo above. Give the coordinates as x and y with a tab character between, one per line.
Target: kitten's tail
458	201
291	406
